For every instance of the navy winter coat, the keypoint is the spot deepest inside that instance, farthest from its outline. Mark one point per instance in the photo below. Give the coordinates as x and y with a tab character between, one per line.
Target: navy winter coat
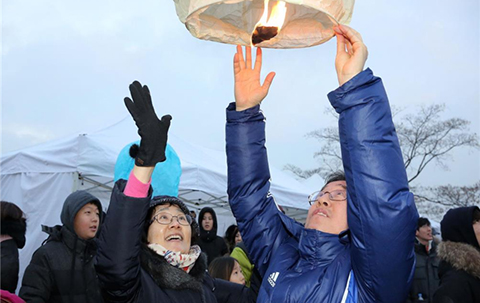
374	262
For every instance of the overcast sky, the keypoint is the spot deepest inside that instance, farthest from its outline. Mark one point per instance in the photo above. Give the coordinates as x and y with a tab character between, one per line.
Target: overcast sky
66	66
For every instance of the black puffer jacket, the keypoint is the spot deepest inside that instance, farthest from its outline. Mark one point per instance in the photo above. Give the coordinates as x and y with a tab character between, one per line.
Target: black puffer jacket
130	272
9	252
459	268
61	270
211	244
425	279
10	265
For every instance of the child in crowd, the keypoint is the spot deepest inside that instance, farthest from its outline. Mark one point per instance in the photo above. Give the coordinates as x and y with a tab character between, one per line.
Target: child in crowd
226	268
62	269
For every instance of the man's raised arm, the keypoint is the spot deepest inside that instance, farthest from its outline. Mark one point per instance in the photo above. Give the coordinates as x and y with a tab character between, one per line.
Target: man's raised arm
381	210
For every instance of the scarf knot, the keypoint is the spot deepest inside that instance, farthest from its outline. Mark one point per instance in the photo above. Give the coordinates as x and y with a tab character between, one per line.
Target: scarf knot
177	259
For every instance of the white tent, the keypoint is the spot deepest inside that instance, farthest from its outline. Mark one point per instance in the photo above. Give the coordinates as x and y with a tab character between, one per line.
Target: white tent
39	178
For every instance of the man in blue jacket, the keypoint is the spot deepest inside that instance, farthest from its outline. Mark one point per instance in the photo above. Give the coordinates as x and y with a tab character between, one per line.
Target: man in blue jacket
357	243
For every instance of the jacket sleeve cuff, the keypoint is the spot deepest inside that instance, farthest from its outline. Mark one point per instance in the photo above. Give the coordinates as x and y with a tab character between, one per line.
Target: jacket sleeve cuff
339	98
250	114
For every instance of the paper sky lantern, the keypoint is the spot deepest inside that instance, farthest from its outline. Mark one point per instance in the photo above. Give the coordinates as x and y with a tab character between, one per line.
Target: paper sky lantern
264	23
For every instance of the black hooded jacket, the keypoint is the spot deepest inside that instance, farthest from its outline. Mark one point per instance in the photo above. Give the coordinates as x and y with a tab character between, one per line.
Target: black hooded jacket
459	269
211	244
9	252
62	269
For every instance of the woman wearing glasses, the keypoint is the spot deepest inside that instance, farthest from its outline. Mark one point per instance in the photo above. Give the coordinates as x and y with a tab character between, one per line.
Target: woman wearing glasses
147	250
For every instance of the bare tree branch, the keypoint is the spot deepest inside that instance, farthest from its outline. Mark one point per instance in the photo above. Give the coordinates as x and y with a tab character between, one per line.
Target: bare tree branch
424	138
449	195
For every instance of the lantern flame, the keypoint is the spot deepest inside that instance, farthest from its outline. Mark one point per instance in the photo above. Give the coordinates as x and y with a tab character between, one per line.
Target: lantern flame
267	29
277	17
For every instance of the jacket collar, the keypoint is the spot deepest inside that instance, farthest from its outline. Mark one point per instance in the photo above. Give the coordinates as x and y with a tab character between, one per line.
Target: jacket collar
71	240
314	246
422	249
321	248
460	256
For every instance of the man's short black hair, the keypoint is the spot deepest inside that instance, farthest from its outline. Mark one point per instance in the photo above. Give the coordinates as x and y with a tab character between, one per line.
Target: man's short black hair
422	222
336	176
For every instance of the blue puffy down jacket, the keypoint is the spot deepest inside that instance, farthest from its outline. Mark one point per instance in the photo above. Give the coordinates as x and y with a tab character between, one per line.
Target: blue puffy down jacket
375	261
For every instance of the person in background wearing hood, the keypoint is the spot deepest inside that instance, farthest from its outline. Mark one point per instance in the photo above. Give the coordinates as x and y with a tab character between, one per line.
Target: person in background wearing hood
211	244
459	254
147	250
14	226
61	270
425	280
357	242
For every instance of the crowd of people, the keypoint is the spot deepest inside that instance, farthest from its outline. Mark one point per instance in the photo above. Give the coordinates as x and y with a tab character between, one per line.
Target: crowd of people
362	240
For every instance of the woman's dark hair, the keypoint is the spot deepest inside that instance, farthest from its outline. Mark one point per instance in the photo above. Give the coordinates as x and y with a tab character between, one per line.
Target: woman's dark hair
229	237
10	211
222	268
13	222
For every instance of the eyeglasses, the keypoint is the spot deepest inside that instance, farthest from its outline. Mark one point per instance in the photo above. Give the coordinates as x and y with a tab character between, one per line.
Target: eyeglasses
336	195
166	218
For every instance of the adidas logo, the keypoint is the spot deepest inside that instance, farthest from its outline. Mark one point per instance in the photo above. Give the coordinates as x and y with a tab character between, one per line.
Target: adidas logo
273	278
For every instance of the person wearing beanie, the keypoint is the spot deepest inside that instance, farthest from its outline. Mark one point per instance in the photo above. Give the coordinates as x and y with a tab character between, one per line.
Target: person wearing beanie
148	248
459	254
14	226
211	244
62	269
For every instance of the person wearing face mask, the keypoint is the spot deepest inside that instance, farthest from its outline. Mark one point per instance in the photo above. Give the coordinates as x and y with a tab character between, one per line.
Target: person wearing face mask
147	249
211	244
357	242
459	254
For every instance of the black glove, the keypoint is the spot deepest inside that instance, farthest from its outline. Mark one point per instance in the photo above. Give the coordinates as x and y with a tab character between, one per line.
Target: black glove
153	132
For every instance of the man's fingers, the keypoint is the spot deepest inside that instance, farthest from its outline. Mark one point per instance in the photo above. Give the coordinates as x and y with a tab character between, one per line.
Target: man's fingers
248	56
350	34
349	47
340	43
241	63
236	64
258	60
268	81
